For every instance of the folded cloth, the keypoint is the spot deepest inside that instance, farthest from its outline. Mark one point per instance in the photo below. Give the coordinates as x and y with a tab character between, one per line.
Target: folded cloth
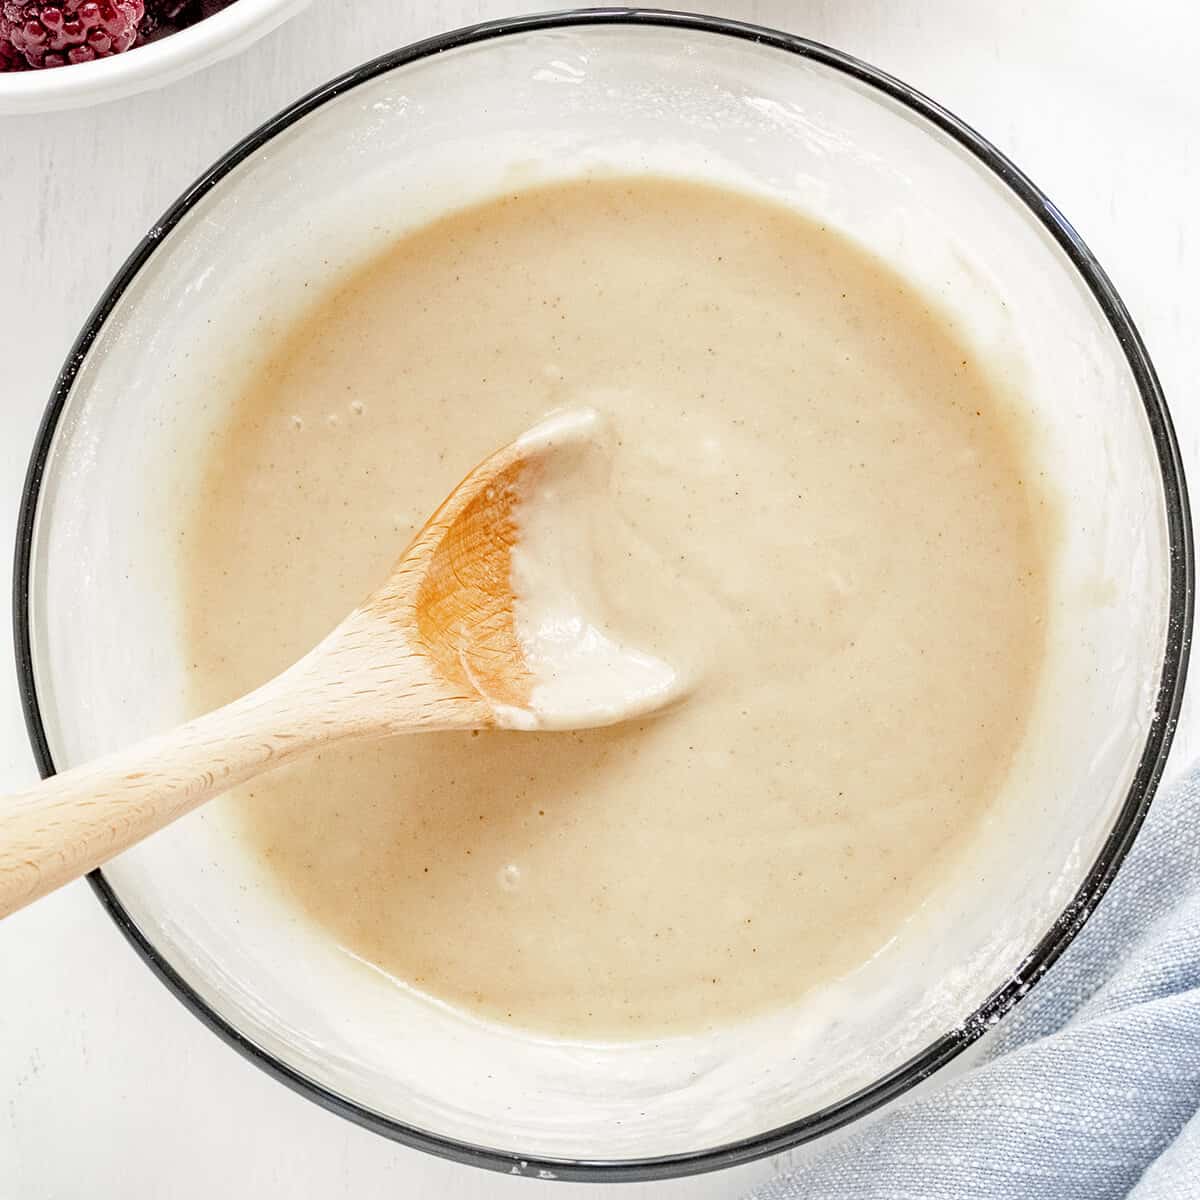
1091	1087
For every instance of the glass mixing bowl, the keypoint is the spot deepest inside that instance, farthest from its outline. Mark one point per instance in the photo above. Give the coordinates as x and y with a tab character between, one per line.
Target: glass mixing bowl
438	125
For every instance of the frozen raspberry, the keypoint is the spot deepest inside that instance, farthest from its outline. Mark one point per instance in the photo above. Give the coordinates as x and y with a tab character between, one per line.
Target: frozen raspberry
11	59
53	33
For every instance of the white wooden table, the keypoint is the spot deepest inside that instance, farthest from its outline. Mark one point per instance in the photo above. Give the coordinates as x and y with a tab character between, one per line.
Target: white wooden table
108	1088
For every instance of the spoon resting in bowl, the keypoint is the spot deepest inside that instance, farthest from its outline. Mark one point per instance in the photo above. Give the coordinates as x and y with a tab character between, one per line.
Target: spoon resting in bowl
440	645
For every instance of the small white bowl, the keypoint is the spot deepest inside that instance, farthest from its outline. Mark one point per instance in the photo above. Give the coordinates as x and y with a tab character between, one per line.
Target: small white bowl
84	84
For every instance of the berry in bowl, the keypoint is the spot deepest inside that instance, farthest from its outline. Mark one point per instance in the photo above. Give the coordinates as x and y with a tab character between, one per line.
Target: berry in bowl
118	47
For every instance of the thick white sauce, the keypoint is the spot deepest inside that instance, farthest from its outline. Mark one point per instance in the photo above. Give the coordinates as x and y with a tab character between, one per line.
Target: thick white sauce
585	672
819	511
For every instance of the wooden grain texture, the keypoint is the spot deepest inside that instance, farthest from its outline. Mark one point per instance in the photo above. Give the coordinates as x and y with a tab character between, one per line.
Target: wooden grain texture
107	1085
463	614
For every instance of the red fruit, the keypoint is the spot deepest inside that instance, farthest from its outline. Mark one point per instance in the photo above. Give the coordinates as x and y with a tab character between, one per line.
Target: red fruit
53	33
11	59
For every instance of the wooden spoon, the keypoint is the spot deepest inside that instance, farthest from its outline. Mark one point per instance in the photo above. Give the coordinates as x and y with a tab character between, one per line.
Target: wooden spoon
435	648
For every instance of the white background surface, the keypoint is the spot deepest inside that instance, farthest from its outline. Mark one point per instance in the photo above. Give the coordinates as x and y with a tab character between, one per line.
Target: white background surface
108	1088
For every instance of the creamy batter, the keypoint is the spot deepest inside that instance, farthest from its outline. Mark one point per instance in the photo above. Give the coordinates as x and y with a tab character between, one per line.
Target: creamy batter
571	596
820	509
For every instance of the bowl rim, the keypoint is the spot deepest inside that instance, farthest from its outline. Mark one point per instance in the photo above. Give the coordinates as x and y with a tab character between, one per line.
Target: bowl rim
1150	764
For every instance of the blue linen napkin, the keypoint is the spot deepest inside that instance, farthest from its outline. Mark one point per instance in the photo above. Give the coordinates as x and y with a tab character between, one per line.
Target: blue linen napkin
1091	1088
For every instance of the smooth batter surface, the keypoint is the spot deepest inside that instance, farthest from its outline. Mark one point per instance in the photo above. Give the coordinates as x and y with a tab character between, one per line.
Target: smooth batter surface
820	505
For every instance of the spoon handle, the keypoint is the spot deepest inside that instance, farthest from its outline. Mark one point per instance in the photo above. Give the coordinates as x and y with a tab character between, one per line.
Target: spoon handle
364	680
73	822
